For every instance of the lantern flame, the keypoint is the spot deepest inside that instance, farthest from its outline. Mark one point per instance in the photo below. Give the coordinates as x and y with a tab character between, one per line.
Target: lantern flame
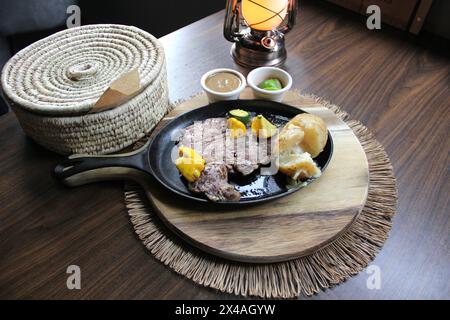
264	15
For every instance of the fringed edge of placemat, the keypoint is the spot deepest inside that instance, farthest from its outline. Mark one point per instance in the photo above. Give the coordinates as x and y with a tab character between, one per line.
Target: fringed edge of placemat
344	257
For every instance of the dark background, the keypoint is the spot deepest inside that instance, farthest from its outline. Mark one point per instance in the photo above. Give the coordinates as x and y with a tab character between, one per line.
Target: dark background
156	17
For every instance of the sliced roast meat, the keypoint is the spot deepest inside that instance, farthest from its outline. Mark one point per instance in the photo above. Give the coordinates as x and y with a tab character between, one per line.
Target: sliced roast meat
222	152
209	138
213	182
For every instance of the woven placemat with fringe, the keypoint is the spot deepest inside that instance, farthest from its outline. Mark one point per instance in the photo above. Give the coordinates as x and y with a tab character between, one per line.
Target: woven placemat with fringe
328	266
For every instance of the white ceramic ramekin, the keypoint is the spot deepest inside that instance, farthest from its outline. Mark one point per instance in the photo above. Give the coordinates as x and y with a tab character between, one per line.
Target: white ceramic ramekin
258	75
214	96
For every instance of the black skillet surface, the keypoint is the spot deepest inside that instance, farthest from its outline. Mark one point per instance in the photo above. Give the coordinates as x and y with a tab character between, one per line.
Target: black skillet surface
155	158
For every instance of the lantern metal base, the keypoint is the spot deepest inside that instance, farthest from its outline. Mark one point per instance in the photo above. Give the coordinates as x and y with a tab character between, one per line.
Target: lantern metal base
251	58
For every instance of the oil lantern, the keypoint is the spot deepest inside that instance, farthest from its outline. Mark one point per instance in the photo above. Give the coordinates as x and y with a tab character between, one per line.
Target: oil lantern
257	28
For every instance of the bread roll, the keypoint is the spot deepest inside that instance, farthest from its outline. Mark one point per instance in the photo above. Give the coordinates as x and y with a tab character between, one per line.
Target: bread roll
315	133
301	139
298	165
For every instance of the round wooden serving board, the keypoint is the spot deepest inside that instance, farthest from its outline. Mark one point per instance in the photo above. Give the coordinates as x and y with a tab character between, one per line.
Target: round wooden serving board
282	229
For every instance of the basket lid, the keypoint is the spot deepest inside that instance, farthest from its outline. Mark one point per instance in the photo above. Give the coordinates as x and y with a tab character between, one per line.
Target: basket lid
67	72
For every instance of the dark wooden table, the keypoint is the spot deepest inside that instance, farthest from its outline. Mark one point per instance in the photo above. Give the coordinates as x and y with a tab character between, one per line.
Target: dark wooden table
397	87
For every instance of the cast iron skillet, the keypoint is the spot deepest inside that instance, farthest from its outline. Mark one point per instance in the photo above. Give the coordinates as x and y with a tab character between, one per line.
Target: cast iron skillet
154	159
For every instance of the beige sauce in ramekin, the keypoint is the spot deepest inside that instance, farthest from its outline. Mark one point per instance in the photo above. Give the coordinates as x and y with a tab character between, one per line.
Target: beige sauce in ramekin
223	82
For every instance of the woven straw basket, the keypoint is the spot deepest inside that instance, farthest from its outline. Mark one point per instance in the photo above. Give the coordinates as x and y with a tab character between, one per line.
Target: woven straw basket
54	83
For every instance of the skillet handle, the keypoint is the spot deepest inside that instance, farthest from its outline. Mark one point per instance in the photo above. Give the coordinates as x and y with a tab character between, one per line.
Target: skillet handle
82	169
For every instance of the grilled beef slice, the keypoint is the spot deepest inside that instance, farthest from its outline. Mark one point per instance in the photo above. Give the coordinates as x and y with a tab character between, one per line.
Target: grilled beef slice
222	154
213	182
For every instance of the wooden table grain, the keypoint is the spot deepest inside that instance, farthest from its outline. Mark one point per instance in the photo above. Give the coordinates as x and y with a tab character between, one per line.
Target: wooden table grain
389	81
